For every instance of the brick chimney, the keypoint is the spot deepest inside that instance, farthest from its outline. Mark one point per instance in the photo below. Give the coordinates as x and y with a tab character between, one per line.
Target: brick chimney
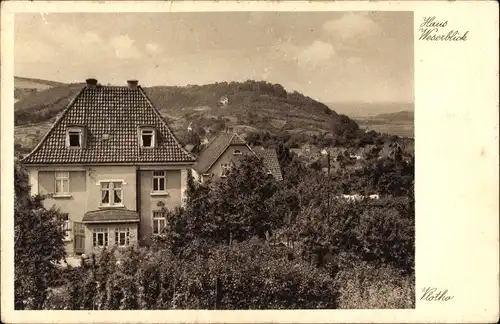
132	84
91	83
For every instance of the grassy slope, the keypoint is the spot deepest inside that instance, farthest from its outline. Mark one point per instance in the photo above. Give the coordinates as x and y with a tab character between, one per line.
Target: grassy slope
20	82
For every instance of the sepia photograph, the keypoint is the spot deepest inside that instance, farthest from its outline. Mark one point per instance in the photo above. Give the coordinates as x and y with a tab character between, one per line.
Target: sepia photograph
249	162
214	160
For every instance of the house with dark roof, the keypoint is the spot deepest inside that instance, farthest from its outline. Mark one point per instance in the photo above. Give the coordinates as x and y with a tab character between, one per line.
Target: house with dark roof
108	163
221	153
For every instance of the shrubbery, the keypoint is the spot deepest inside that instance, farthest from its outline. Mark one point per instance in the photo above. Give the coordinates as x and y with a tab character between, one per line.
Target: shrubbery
246	275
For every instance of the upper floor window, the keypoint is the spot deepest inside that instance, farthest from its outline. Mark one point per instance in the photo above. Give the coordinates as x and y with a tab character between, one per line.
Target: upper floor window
224	169
74	137
147	137
62	183
159	181
111	194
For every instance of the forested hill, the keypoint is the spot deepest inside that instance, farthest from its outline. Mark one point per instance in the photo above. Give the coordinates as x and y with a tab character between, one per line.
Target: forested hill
244	106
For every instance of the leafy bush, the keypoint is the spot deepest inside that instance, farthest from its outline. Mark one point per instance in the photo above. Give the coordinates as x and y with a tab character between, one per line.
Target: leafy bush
365	286
243	276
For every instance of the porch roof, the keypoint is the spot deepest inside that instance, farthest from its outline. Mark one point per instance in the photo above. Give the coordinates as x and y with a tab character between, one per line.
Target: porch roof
111	215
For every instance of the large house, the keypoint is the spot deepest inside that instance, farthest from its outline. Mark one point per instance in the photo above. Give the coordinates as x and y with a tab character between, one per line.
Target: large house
216	159
108	163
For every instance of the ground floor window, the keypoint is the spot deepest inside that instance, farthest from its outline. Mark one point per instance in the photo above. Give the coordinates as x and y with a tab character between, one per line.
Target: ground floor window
158	222
100	237
65	226
122	236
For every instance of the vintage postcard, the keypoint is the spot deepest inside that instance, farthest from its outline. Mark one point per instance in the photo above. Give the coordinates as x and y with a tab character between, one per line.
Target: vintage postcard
248	162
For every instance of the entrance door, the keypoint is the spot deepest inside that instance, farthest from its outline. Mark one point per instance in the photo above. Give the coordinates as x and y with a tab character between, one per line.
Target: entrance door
78	237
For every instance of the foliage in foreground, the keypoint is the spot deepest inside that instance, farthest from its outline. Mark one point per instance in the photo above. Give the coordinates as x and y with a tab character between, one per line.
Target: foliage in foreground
225	249
38	246
246	275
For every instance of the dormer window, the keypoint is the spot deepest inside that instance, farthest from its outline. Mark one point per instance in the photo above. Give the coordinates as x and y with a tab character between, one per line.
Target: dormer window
147	137
74	137
237	152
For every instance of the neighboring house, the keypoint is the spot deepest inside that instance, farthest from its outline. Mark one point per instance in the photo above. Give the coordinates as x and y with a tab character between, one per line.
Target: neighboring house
108	163
218	156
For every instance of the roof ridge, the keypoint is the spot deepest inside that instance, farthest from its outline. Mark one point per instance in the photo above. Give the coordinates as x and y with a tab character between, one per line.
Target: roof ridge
57	122
171	133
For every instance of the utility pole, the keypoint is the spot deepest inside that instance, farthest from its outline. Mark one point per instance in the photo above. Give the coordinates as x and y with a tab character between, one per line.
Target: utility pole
328	183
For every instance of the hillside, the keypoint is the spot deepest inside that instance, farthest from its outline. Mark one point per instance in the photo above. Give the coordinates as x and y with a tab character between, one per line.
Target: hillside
26	87
370	109
400	116
31	83
399	123
208	109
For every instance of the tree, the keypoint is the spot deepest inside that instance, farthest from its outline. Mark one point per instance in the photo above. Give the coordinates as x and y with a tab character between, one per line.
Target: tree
236	208
38	245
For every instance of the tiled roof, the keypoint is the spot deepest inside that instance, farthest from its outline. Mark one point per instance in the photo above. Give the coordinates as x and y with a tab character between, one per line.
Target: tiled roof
118	112
111	216
215	149
270	159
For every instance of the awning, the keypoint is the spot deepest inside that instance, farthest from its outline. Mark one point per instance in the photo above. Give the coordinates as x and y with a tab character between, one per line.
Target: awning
111	215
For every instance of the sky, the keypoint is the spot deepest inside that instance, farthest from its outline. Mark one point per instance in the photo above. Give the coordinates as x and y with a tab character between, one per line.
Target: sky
329	56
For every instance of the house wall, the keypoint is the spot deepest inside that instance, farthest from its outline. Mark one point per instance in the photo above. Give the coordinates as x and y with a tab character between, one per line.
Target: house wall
149	201
85	193
89	245
74	205
227	157
111	173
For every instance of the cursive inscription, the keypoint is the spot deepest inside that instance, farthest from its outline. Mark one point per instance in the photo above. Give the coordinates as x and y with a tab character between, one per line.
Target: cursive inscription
434	294
431	22
431	29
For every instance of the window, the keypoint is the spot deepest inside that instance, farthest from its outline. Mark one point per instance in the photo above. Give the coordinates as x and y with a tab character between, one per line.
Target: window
122	236
224	167
66	226
62	183
158	222
147	137
111	194
74	137
159	181
100	237
237	152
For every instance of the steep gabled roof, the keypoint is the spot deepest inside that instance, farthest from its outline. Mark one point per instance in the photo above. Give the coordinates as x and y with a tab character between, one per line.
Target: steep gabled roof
118	112
219	145
270	159
215	149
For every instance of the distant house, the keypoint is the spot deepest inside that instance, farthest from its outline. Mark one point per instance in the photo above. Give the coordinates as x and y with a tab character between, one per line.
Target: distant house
108	163
224	101
218	156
